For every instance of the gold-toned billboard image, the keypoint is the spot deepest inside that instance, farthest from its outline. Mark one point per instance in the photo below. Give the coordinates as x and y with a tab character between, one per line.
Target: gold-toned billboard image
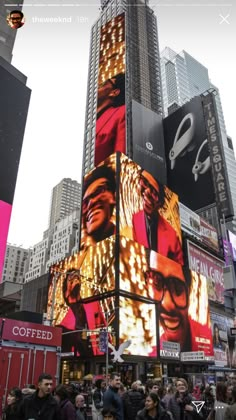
111	108
98	216
149	211
138	323
85	275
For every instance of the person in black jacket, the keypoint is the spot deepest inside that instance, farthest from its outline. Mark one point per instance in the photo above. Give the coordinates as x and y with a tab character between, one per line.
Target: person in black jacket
133	401
153	409
111	397
41	405
14	398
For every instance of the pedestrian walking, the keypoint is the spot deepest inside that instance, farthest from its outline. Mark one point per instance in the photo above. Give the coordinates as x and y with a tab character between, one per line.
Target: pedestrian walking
67	409
14	398
153	409
111	396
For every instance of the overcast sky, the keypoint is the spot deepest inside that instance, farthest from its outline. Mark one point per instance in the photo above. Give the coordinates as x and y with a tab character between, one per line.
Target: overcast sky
54	56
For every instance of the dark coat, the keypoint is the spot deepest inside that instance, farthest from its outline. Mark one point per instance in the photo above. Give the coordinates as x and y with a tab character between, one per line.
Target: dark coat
11	412
32	408
133	401
67	410
111	398
161	414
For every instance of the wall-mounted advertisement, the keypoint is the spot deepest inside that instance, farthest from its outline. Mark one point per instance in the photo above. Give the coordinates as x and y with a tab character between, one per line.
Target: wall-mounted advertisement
149	212
184	313
196	226
111	108
98	215
148	141
138	323
211	267
74	280
180	297
220	340
187	155
232	240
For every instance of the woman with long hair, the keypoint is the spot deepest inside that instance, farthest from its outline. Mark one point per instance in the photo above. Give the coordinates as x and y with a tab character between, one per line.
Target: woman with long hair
14	398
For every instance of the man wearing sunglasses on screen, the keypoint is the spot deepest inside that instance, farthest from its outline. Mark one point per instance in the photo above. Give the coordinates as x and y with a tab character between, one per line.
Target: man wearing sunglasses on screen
149	227
167	285
110	125
98	205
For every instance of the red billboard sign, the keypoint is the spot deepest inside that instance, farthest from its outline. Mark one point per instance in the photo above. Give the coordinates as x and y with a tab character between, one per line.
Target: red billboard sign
212	268
28	332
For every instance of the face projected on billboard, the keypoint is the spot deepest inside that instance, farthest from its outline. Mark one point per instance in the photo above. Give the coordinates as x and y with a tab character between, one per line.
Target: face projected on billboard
167	285
111	110
85	275
148	212
98	206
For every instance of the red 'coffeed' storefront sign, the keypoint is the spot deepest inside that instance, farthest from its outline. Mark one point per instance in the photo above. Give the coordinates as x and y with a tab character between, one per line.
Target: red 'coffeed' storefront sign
28	332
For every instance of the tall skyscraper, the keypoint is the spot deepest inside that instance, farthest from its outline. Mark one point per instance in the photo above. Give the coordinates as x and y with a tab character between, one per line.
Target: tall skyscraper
66	197
142	68
183	77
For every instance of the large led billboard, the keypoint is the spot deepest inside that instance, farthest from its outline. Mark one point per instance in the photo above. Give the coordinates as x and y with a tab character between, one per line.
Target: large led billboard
149	212
98	215
111	108
211	267
14	102
187	155
180	295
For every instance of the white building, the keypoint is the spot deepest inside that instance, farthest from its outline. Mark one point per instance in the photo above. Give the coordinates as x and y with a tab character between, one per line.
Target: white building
37	261
15	264
183	77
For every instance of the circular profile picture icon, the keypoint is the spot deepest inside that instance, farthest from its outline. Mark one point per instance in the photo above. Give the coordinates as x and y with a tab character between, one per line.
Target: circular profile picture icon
16	19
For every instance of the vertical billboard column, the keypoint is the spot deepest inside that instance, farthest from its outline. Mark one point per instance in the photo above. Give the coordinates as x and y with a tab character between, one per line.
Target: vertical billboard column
217	158
111	107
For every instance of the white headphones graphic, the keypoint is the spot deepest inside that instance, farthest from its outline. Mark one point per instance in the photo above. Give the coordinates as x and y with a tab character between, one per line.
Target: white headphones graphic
201	167
182	144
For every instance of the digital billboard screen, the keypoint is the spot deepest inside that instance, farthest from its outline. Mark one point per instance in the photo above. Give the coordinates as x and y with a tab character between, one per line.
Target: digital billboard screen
211	267
187	155
180	296
78	278
137	322
111	108
149	211
98	215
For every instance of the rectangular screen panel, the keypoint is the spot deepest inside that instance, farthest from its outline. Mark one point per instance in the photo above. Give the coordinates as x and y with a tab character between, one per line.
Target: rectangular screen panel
149	211
5	215
111	108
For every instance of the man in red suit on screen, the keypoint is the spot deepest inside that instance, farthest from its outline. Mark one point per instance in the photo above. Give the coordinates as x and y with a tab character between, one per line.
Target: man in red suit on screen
149	227
110	125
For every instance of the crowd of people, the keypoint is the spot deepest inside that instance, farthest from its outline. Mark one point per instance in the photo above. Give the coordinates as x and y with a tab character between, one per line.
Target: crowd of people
114	402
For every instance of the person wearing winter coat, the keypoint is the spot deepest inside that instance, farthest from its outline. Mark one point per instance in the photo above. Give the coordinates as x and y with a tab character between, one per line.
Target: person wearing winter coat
181	404
66	407
153	409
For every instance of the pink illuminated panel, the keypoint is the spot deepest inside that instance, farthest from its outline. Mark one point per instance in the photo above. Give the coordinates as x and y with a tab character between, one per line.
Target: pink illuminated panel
5	215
